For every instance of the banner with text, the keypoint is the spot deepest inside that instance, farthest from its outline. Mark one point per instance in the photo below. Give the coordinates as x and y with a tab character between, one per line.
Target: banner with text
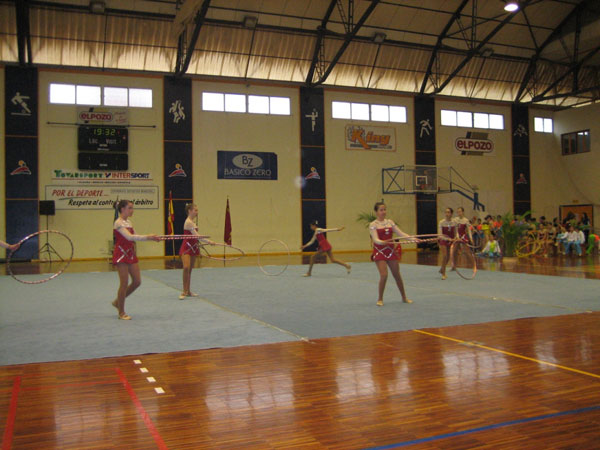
246	165
364	137
101	197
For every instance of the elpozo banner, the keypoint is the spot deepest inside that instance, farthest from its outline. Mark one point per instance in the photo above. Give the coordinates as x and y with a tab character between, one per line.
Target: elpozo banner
94	115
246	165
368	138
474	143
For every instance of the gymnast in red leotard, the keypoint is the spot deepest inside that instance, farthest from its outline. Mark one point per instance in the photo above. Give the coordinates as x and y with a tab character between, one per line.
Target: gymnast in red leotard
190	248
385	250
324	246
446	227
124	257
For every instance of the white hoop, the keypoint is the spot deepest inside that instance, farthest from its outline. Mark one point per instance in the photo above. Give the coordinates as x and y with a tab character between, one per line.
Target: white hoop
66	261
261	267
170	237
206	253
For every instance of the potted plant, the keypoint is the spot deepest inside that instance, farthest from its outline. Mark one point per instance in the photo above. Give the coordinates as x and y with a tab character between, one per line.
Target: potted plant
513	228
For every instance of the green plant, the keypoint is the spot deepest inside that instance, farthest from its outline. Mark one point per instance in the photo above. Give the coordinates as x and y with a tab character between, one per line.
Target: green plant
366	218
513	228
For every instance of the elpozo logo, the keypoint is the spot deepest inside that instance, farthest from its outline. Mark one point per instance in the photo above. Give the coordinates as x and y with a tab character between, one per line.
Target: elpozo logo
102	116
474	144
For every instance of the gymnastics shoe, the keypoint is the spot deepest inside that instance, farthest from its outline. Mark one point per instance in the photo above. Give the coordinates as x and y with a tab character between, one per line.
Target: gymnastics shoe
124	317
182	296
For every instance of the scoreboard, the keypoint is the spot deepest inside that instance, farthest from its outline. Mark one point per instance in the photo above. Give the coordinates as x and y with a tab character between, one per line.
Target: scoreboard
102	138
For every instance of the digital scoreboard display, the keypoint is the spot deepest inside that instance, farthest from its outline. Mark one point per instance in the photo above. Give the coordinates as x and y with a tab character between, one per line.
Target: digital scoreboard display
102	138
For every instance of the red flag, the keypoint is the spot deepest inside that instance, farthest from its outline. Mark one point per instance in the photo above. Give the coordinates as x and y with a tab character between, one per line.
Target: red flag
227	234
171	217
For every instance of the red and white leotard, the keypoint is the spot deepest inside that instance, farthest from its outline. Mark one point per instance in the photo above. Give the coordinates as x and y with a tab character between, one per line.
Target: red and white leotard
189	246
447	228
319	235
463	228
124	250
383	231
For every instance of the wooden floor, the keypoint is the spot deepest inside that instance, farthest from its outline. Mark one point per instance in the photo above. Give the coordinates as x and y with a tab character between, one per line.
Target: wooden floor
522	384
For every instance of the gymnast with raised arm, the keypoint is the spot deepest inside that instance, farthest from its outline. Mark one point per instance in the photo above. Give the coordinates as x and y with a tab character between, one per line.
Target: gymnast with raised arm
324	246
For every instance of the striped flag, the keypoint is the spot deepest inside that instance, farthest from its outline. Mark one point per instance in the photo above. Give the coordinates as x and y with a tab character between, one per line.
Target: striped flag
171	217
227	234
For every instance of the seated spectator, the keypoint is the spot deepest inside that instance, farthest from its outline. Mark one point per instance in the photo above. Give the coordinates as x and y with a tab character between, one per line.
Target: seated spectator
593	241
491	249
574	240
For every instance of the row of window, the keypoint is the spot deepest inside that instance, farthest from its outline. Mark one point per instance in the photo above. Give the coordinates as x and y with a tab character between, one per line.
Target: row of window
241	103
71	94
369	112
576	142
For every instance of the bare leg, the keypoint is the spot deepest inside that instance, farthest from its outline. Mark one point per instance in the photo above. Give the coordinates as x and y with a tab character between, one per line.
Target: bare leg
395	268
125	270
383	274
312	262
333	260
445	258
187	274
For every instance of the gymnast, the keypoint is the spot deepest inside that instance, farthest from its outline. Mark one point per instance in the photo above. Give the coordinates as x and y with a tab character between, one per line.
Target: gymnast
124	256
324	246
446	227
385	251
190	248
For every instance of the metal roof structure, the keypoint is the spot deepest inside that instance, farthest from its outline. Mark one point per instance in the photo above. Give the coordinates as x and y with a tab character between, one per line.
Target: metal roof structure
546	53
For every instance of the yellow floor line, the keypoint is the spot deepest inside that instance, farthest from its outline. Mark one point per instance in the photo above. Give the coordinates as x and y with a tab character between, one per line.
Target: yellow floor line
460	341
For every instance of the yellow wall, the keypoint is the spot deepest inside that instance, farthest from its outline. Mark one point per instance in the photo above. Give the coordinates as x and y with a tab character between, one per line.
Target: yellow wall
91	230
353	180
260	209
2	169
492	174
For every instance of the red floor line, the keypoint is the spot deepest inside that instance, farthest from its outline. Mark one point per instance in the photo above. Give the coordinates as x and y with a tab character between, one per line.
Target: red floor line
58	386
145	417
12	413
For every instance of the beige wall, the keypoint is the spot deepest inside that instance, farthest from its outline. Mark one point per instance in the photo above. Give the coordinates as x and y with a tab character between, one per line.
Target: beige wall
353	180
2	168
260	209
91	230
492	174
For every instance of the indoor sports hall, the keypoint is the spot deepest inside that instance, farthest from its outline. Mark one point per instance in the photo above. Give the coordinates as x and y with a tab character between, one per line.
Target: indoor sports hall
299	224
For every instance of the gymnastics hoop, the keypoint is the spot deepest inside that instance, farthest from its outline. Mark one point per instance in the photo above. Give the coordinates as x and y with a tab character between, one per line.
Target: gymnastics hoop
205	253
169	237
420	238
262	268
460	247
65	261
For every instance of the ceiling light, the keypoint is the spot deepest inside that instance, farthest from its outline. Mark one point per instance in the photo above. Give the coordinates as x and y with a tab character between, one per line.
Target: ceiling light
97	6
379	37
250	21
487	52
511	6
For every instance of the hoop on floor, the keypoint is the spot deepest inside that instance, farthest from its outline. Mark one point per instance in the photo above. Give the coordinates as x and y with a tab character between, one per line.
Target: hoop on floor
464	259
285	248
209	250
54	256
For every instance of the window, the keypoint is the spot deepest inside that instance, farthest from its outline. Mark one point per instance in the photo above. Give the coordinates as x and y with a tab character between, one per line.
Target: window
466	119
543	125
368	112
242	103
576	142
71	94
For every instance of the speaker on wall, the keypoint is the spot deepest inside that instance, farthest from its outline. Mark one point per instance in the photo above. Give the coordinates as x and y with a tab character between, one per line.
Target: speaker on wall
102	161
47	208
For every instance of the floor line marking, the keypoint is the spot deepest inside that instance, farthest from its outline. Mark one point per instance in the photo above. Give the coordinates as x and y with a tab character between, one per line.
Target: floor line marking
516	355
12	414
145	417
485	428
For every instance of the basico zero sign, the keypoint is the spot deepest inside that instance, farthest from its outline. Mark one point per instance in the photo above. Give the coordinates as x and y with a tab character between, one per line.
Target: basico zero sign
473	145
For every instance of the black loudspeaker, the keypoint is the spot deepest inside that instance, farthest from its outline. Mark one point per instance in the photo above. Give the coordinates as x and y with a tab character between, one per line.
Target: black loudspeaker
47	208
102	161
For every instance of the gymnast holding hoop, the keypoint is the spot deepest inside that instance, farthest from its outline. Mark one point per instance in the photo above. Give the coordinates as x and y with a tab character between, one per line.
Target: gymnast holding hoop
446	227
124	257
324	246
384	250
9	247
190	248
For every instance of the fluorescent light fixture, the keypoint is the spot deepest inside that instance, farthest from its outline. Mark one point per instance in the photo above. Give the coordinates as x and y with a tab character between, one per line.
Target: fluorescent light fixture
250	21
379	37
97	6
511	6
